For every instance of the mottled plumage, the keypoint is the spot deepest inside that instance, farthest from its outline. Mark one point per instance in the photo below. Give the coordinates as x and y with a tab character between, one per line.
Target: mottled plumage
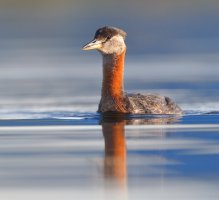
140	104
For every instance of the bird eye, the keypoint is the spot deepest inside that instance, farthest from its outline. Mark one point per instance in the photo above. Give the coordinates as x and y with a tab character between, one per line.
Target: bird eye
108	37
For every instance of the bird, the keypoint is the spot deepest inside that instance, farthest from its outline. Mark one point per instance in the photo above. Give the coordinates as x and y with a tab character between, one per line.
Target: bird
110	42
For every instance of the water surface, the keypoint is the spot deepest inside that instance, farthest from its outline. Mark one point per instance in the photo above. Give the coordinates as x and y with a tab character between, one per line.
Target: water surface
55	146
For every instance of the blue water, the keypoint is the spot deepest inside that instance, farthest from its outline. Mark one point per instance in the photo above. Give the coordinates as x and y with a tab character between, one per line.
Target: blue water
53	144
95	119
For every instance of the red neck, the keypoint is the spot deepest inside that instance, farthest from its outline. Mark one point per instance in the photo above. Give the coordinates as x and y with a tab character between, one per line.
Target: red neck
113	67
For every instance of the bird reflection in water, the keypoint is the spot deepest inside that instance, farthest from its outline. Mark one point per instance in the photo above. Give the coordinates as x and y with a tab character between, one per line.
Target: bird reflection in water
115	149
115	160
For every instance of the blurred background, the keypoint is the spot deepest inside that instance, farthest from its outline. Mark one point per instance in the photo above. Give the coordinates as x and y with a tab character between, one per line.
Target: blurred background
153	26
173	49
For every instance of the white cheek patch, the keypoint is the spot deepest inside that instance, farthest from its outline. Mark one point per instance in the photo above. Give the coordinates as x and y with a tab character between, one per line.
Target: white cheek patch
115	45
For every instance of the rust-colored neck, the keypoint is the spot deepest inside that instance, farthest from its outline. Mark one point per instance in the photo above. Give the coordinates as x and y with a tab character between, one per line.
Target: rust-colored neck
113	68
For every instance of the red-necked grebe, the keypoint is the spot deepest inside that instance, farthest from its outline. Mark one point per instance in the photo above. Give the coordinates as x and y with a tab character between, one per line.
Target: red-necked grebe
110	42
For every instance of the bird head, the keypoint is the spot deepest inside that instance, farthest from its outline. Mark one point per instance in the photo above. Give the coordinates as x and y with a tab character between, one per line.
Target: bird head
108	40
